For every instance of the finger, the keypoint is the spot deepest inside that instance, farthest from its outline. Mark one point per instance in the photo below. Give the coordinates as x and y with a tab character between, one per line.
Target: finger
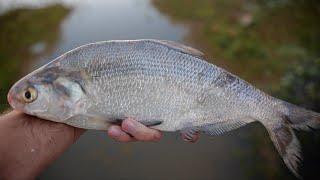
139	131
117	134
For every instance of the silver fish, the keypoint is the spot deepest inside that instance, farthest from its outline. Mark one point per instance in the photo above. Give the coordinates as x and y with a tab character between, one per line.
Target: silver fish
163	84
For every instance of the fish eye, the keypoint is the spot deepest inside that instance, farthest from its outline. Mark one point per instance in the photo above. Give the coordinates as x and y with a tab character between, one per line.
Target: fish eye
29	95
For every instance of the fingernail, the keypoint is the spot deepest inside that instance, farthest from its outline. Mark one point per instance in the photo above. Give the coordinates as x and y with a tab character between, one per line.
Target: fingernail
114	132
131	125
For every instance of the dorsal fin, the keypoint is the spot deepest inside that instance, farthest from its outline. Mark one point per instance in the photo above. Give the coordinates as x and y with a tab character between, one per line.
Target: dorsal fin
180	47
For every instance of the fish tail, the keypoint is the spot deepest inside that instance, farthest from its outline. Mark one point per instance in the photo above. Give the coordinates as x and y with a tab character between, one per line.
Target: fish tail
302	119
281	131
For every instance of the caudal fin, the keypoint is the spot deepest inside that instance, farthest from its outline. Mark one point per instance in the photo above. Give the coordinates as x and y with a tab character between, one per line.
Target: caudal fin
283	136
302	119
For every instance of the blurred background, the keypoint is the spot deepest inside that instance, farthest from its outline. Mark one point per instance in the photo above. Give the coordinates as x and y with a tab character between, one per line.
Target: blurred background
273	44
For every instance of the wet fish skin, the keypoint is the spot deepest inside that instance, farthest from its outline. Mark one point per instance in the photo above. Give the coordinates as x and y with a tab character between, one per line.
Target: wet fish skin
157	81
176	86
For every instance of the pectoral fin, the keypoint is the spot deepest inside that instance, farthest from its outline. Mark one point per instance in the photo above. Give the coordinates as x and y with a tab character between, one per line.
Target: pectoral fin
146	123
152	123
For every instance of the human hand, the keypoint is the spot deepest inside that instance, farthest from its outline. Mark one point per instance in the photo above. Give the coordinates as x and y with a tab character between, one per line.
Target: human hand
29	144
131	130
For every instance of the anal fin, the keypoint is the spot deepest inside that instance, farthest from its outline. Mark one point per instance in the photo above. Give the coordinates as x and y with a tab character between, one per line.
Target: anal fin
220	128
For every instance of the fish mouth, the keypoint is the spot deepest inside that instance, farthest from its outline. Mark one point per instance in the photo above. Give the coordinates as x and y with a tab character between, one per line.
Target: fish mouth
13	101
10	99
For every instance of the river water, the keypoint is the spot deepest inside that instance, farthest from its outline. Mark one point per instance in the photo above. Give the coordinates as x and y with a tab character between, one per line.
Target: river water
95	156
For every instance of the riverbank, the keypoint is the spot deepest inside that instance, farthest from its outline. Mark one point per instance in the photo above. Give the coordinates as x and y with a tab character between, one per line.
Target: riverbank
256	40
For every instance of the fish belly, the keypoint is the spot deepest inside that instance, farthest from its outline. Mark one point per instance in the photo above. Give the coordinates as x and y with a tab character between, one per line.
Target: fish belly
147	99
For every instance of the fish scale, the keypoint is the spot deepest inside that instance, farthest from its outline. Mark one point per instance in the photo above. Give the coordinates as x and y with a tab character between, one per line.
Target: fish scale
162	84
180	70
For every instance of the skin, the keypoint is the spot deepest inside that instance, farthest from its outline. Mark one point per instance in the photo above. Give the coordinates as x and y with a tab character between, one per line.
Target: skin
29	144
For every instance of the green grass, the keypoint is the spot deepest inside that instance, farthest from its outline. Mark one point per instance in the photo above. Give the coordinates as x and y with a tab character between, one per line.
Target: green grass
20	29
259	51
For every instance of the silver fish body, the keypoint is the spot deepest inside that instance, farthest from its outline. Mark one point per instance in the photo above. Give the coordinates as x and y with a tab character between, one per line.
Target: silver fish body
149	80
160	83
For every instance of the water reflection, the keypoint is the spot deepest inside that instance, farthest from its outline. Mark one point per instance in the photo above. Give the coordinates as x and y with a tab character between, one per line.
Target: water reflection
104	20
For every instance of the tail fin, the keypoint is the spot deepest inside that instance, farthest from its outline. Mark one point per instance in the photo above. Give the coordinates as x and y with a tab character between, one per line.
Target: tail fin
283	136
302	119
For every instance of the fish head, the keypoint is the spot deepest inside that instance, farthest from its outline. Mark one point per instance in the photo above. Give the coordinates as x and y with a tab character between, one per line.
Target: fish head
48	93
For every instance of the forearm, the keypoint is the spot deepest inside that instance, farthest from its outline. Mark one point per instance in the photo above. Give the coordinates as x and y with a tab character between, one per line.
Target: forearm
28	144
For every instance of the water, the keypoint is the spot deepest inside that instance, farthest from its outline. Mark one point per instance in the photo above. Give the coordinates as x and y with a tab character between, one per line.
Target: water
246	153
92	21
